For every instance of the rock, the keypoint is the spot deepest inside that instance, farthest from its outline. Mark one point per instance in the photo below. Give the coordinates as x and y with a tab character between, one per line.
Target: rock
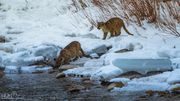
60	75
1	73
86	80
115	84
105	83
159	93
149	93
37	72
100	50
14	32
122	51
175	88
74	88
71	35
51	71
2	39
131	75
65	67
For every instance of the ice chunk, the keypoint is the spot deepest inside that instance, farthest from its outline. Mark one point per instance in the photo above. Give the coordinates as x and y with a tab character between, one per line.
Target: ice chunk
143	65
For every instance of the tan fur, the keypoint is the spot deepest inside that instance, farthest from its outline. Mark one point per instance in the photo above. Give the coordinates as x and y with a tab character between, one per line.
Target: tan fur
113	26
71	51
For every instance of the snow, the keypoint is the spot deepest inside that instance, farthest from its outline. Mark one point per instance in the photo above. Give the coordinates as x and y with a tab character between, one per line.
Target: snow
38	29
123	80
160	82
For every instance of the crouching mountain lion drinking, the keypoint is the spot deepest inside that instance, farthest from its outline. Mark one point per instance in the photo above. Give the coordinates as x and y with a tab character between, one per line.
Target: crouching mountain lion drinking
71	51
113	26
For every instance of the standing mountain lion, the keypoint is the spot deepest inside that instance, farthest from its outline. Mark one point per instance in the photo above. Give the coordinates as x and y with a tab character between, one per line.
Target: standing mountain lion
71	51
113	26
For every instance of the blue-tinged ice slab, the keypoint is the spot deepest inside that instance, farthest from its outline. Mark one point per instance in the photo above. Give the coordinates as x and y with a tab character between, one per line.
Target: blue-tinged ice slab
143	65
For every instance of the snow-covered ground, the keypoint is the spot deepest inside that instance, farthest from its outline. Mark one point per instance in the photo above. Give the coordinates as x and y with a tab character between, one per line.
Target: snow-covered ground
37	29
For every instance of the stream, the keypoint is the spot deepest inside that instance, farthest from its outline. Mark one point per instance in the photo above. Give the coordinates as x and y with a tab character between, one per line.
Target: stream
45	87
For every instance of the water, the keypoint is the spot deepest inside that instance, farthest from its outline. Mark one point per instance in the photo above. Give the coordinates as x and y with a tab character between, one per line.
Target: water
45	87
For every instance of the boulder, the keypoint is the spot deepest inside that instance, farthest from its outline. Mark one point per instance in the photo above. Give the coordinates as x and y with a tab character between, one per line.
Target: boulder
60	75
2	39
1	72
100	50
115	84
74	88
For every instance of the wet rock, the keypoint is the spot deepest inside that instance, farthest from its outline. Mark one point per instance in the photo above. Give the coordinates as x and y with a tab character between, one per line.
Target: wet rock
51	71
100	50
122	51
131	75
175	88
115	84
2	39
65	67
71	35
130	47
157	93
60	75
105	83
149	93
37	72
74	88
1	73
14	32
86	80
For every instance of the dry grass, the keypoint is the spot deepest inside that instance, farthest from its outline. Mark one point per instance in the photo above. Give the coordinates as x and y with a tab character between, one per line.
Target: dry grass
164	14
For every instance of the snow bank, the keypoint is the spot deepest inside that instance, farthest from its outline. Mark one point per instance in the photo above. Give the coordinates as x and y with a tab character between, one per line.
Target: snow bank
160	82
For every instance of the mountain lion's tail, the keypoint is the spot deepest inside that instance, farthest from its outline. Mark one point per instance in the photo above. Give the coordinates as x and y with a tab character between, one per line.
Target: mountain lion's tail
126	30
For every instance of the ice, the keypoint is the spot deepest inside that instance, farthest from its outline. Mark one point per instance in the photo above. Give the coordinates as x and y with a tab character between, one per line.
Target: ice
25	69
143	65
174	77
